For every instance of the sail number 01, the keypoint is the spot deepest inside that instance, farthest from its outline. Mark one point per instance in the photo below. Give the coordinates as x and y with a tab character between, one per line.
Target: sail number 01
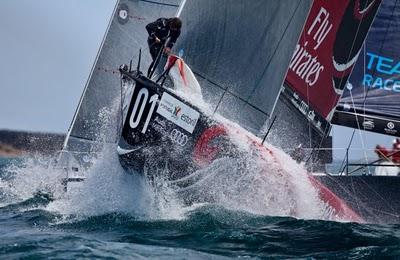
141	101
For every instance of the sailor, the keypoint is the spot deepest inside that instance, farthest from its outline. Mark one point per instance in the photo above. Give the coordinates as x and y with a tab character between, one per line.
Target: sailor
163	31
396	144
393	155
382	152
396	151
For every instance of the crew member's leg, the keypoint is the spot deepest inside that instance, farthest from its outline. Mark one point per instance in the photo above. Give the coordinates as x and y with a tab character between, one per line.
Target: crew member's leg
154	50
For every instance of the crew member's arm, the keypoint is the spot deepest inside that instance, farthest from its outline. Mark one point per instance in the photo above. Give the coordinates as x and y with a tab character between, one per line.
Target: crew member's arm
152	28
382	152
174	36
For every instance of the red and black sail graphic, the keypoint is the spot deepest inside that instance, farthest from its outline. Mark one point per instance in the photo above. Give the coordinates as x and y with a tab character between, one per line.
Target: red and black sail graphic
326	53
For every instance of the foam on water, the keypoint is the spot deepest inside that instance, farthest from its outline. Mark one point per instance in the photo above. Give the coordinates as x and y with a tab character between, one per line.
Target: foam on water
265	187
254	182
22	180
108	188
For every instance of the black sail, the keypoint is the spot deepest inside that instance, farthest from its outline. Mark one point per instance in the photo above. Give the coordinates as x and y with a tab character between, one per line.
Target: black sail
240	51
371	100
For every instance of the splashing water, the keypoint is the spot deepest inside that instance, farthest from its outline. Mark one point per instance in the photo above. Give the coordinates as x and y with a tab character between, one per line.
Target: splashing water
254	182
262	180
245	184
22	180
108	188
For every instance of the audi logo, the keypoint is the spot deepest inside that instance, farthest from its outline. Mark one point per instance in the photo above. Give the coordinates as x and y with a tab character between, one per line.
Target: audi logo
178	137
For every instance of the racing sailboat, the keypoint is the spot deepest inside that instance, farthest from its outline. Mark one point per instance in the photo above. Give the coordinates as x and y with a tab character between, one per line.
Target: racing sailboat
240	63
241	86
319	69
96	125
240	81
370	102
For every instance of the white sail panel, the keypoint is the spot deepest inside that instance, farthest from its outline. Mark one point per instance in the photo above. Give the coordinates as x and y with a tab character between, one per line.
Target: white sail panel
98	117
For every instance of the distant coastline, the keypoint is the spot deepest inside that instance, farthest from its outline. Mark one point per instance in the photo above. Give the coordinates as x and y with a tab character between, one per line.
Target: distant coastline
15	143
9	151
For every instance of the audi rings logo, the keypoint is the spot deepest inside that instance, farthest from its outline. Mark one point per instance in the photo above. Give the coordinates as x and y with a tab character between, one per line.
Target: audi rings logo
179	137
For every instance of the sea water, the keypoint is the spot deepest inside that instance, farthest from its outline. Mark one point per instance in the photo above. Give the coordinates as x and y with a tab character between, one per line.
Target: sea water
115	215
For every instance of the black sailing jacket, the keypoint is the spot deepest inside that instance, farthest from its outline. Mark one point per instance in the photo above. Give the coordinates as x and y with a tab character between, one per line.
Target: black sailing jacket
161	30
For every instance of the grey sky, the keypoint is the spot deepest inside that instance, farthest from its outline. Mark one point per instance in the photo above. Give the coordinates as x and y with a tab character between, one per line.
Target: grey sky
47	48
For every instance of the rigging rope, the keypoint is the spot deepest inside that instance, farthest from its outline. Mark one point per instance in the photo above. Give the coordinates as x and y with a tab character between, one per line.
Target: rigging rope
342	166
366	90
328	126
